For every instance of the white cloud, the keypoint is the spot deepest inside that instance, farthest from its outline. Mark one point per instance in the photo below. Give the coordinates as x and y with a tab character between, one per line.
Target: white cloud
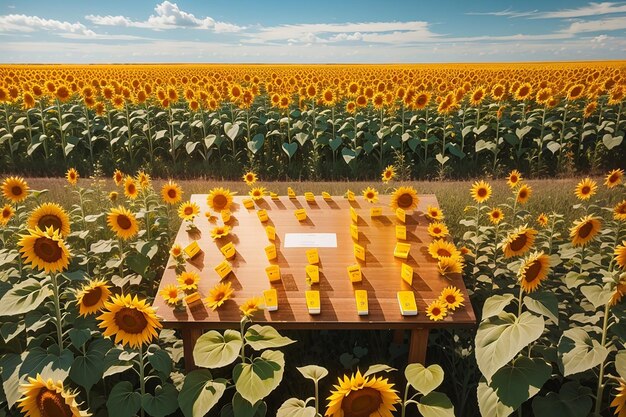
591	9
600	25
24	23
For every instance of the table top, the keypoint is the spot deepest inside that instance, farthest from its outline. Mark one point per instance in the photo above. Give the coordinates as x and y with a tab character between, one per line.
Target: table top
381	271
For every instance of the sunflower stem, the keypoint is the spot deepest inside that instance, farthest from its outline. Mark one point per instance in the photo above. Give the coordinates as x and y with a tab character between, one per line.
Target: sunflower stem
600	389
242	352
406	394
317	396
121	259
519	301
142	382
57	309
582	259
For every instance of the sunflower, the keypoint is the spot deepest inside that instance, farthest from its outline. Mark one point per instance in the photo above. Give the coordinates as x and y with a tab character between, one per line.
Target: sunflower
170	294
480	191
619	291
122	222
436	310
495	215
447	265
6	214
113	196
171	193
518	241
143	179
404	198
251	306
440	248
523	194
257	193
620	255
219	294
585	189
50	215
359	396
130	188
91	298
619	401
249	177
219	199
542	220
619	211
614	178
44	250
514	178
48	399
132	321
534	269
188	210
220	231
434	213
15	189
370	194
188	280
388	174
438	230
585	230
72	176
451	298
118	177
176	250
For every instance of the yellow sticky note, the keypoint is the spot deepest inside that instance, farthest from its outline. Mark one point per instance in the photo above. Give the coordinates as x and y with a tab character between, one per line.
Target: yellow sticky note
270	252
271	299
359	252
291	193
223	269
270	231
326	196
312	256
406	300
262	215
226	215
354	232
354	273
401	215
400	232
362	308
350	195
248	203
273	196
354	215
300	214
312	273
313	301
309	196
192	249
228	250
402	250
407	274
192	298
376	211
273	273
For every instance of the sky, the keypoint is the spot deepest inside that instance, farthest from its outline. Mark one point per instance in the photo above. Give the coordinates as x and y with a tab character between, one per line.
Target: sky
318	31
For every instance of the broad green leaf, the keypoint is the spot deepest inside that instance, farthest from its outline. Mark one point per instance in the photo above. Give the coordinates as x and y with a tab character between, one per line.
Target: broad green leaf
254	381
578	352
573	400
242	408
611	141
424	380
489	403
374	369
123	401
517	382
199	393
313	372
160	360
597	295
163	402
25	296
501	337
544	303
87	370
290	148
496	304
620	363
263	337
214	350
348	155
256	144
231	130
435	404
79	337
294	407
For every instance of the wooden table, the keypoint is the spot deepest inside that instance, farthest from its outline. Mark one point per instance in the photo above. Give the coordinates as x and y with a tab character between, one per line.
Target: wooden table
381	271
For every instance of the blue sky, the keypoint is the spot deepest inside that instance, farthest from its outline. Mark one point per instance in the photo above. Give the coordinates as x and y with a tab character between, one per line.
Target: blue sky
44	31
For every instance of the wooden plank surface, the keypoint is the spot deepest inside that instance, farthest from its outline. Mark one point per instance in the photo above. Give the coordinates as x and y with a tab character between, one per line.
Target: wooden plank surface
381	271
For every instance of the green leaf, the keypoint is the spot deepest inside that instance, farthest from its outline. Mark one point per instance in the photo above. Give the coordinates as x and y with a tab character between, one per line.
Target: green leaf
496	304
500	338
243	408
335	143
138	263
160	360
263	337
290	148
611	141
102	246
256	380
424	380
374	369
200	393
597	295
313	372
578	352
123	400
295	407
517	382
79	337
25	296
348	155
544	303
489	403
231	130
214	350
87	370
163	402
620	363
573	400
256	144
436	404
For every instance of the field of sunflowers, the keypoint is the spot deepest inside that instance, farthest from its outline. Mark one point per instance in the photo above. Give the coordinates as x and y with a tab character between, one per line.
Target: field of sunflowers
80	262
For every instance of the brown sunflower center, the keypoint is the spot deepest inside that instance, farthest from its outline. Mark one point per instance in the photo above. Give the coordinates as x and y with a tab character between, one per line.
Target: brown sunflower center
173	293
522	194
519	242
482	192
621	209
219	296
585	230
189	280
188	211
171	193
131	320
131	189
92	297
513	179
50	220
450	298
436	230
16	190
124	222
443	252
361	403
370	195
6	213
613	178
435	311
532	271
585	190
52	404
220	200
256	193
48	249
405	200
495	214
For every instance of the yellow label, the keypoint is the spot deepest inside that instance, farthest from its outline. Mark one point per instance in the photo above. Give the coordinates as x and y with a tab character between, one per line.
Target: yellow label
270	252
326	196
400	232
354	215
362	308
300	214
359	252
270	231
406	300
273	196
273	273
226	215
223	269
354	273
192	249
401	214
402	250
407	274
350	195
312	256
271	299
262	215
309	196
354	232
228	250
192	298
313	301
376	211
291	193
248	203
312	273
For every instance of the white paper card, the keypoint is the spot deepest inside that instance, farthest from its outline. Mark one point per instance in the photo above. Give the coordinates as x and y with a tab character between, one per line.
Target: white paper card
310	240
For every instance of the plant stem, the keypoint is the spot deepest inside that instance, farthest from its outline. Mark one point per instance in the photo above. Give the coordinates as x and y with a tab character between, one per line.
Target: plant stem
558	161
317	396
519	301
605	324
406	394
57	309
543	120
142	382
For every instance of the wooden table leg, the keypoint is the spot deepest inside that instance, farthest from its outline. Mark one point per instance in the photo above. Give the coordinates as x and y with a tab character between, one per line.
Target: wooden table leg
190	336
417	346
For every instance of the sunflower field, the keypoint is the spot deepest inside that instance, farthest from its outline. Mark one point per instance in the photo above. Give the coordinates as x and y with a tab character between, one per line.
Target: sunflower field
313	122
